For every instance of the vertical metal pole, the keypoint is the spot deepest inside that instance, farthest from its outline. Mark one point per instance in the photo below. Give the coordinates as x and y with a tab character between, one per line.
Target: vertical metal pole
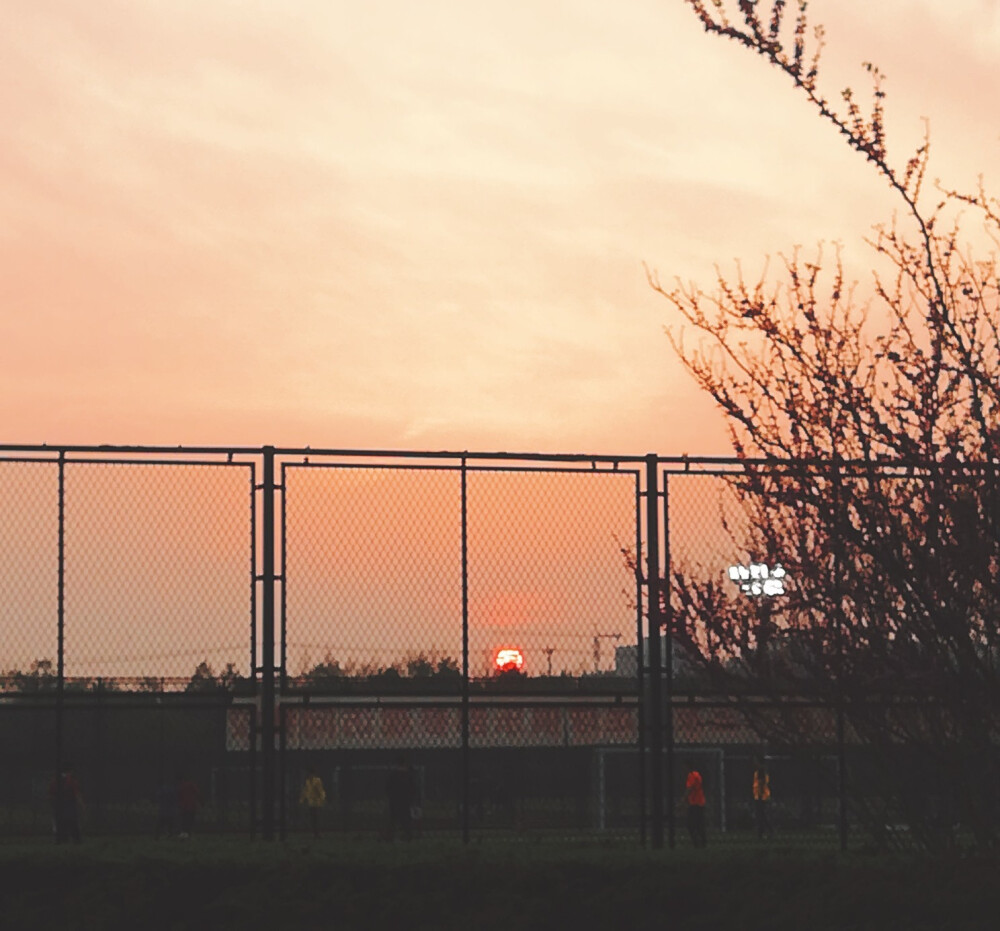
653	627
465	656
282	773
96	794
267	647
60	619
668	623
640	666
839	621
252	756
283	676
283	665
253	570
252	765
162	756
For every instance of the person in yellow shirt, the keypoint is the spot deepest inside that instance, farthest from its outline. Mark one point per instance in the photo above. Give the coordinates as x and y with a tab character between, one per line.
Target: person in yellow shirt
762	798
313	796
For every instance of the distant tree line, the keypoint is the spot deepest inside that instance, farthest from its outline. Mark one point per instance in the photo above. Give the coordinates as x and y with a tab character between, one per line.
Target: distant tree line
419	665
420	671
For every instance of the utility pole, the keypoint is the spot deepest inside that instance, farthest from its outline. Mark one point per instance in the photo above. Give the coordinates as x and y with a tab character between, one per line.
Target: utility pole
597	647
548	651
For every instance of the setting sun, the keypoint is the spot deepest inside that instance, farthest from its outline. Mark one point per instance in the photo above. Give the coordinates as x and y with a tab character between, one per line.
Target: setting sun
508	659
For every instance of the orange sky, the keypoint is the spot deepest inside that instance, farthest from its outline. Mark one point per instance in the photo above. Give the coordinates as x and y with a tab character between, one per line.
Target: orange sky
158	566
419	225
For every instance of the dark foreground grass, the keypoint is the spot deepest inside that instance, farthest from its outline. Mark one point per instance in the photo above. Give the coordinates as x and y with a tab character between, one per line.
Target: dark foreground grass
233	884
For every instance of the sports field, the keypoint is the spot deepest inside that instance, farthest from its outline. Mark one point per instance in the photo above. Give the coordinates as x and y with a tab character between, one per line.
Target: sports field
347	883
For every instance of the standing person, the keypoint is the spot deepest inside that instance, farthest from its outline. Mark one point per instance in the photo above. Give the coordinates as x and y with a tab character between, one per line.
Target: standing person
694	791
401	791
313	796
762	799
188	800
67	804
166	810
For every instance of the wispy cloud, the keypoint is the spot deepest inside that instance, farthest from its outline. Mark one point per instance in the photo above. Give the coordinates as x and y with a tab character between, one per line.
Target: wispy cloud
390	223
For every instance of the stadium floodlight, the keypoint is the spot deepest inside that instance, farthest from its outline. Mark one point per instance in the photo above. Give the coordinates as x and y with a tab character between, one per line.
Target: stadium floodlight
758	579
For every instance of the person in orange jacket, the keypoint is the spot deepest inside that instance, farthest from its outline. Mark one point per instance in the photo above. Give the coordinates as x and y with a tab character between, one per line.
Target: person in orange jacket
694	791
762	798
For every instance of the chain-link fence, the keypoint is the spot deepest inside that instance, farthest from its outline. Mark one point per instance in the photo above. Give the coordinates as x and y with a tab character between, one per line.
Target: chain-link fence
126	623
477	601
502	645
846	615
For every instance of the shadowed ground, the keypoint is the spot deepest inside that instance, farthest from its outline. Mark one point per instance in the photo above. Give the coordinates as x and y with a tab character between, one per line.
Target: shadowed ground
230	883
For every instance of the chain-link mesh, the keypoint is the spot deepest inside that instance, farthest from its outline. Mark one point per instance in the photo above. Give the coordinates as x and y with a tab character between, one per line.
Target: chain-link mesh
750	569
819	617
127	761
157	572
28	733
372	577
547	580
869	589
355	749
753	577
29	566
728	743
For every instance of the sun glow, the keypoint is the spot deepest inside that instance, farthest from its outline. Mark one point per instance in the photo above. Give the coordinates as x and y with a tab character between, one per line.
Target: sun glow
508	659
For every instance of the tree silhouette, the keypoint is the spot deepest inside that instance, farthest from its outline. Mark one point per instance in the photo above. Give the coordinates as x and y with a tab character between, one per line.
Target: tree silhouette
202	679
882	418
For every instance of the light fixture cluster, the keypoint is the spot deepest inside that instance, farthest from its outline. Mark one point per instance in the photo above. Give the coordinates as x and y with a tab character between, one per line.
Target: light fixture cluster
758	579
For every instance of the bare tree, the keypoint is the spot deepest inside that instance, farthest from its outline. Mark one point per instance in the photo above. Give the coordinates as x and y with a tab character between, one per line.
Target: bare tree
882	421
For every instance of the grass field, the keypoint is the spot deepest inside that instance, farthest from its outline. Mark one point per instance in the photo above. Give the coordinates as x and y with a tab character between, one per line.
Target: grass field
342	883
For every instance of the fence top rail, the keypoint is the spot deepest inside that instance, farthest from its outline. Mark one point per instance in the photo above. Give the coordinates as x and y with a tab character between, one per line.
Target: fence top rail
596	467
111	449
55	450
672	464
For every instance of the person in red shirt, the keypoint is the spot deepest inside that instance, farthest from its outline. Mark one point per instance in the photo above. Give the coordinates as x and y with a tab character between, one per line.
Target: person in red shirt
67	803
694	790
188	799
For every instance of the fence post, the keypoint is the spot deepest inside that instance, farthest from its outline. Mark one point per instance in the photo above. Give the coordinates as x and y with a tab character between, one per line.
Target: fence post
640	665
60	623
252	727
653	629
667	620
267	704
465	658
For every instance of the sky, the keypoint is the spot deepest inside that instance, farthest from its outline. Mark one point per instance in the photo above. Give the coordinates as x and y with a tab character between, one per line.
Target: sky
421	225
397	225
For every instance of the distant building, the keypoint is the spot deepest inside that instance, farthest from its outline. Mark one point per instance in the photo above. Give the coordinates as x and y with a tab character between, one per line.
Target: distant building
626	660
